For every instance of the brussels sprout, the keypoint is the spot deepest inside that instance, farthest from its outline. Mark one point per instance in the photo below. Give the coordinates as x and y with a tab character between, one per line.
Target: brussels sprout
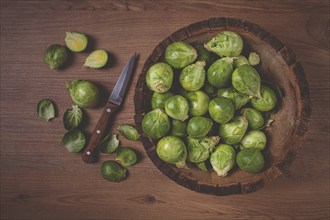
172	150
254	117
158	99
156	123
254	59
246	80
254	139
223	159
240	61
178	128
219	73
129	132
76	41
74	141
192	77
112	171
159	77
55	56
205	55
126	156
199	127
233	132
177	107
72	117
238	99
205	165
198	103
226	44
221	109
97	59
209	90
199	149
46	109
84	93
180	54
250	160
109	144
267	101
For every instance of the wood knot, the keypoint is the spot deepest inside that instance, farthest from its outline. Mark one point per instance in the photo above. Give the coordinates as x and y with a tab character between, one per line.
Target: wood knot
149	199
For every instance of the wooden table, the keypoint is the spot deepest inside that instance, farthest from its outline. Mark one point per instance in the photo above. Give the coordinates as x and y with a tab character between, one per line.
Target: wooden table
41	180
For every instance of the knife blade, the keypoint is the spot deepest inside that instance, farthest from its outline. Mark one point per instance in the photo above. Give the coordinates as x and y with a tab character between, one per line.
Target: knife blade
114	103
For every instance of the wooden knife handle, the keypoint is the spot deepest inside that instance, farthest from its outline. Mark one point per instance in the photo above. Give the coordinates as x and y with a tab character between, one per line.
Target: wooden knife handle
96	137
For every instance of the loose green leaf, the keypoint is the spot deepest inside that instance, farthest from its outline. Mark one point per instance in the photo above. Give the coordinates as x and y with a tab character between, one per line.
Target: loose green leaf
126	156
112	171
74	141
109	144
46	109
72	117
129	132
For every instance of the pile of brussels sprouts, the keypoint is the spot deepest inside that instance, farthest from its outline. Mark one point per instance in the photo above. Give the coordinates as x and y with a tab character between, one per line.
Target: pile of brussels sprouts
209	106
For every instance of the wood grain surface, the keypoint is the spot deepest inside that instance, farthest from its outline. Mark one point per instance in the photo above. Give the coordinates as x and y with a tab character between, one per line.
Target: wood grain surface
41	180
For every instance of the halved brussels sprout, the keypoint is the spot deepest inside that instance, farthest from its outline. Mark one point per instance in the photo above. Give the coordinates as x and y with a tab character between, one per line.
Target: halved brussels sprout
223	159
233	132
198	103
199	150
254	117
159	77
246	80
267	101
192	77
221	109
172	150
177	107
226	44
178	128
238	99
97	59
156	123
199	127
239	61
254	139
250	160
180	54
158	99
76	41
219	73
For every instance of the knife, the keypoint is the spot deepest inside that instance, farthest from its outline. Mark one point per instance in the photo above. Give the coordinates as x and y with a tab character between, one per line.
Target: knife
112	106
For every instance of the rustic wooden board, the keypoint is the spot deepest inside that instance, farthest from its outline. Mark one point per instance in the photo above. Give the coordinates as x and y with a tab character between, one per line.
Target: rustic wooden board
41	180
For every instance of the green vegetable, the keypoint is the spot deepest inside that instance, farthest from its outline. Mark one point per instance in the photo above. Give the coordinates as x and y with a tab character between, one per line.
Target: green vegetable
221	109
254	59
158	99
172	150
72	117
223	159
254	139
180	54
267	101
219	73
233	132
199	127
126	156
254	117
177	107
156	123
97	59
159	77
112	171
178	128
198	103
209	90
226	44
76	41
84	93
199	150
237	98
74	140
246	80
46	109
129	132
250	160
109	144
192	77
55	56
205	165
240	61
205	55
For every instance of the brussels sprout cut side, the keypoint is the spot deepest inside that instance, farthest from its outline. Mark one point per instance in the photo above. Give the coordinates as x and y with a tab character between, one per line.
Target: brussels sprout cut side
76	41
97	59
